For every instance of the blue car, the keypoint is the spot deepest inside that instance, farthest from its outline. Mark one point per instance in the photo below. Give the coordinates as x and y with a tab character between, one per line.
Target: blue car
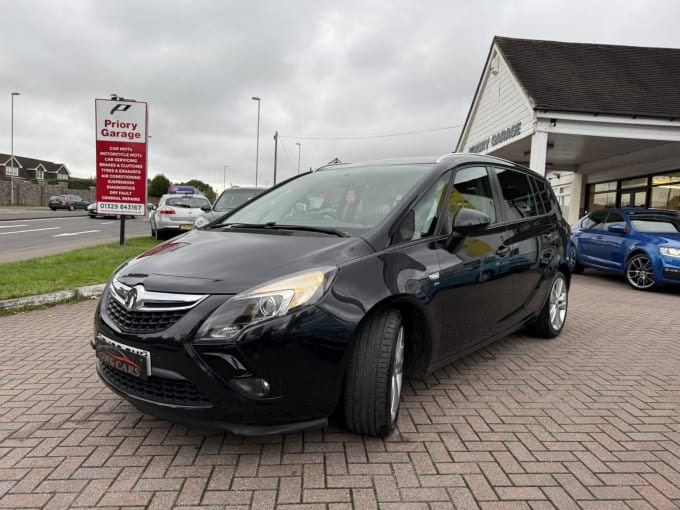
641	244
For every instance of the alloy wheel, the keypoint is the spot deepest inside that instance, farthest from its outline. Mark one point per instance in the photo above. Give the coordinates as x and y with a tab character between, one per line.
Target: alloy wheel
558	303
397	376
639	272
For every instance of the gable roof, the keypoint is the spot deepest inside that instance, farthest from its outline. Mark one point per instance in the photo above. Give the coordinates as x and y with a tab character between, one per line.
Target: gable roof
596	78
32	163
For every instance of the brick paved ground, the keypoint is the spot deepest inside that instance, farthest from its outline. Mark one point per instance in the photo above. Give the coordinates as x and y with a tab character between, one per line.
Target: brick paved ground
590	420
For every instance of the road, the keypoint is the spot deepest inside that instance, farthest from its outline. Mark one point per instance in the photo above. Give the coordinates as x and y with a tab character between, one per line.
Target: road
29	233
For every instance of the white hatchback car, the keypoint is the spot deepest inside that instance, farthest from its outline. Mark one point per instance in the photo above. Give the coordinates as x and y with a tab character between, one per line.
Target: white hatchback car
176	214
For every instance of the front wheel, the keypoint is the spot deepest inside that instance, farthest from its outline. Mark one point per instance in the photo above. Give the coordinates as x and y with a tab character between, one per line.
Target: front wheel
639	272
71	208
550	320
374	377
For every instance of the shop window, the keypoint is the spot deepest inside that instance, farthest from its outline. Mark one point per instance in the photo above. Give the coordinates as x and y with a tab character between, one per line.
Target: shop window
659	180
665	197
640	182
601	200
603	187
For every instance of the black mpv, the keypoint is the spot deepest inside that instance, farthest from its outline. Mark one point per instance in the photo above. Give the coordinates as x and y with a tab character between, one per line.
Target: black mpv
326	290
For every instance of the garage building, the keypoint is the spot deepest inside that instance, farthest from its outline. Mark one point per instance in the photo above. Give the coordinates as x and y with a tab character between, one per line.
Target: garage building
601	121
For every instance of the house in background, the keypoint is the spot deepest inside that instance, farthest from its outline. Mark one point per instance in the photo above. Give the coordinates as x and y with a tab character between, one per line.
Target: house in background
29	169
602	122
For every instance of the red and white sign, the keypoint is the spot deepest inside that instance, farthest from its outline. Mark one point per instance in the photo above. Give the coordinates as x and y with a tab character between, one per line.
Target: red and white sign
121	156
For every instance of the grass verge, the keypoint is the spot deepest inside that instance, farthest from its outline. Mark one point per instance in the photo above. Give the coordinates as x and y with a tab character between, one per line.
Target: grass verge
78	268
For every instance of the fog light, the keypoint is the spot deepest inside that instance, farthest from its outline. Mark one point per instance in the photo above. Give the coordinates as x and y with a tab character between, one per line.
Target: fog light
253	386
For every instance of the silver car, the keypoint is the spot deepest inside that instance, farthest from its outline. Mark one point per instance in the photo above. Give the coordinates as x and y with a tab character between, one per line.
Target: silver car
228	200
176	214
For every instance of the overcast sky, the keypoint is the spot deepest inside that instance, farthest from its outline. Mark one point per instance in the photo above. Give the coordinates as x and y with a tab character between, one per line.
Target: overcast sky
343	78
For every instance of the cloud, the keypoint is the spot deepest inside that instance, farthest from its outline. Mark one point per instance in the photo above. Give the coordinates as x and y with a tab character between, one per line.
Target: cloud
322	69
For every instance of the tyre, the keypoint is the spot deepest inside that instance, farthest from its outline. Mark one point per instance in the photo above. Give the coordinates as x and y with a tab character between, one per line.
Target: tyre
574	265
71	208
639	272
550	320
374	376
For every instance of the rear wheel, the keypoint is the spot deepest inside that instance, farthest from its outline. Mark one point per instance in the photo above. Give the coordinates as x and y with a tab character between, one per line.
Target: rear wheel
70	207
375	374
574	265
639	272
550	320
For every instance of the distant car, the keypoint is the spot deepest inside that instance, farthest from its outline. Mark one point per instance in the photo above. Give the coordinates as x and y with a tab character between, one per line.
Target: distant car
176	214
92	212
70	202
228	200
641	244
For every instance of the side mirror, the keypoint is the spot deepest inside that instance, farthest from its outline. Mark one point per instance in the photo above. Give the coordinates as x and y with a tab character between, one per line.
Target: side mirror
206	208
616	228
469	220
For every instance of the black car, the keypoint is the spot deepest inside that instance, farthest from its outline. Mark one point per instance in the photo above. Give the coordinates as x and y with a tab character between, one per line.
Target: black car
323	292
70	202
229	199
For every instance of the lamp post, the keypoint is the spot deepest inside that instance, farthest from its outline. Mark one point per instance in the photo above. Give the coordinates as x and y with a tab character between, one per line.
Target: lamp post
224	180
11	159
298	144
257	149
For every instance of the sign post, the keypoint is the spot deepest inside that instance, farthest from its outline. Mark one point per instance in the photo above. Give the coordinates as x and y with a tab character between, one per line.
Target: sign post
121	158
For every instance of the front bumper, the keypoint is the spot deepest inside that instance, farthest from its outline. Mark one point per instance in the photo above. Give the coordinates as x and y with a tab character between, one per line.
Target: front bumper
301	356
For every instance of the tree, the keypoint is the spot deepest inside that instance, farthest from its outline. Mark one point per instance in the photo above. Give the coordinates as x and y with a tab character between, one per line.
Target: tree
158	186
207	189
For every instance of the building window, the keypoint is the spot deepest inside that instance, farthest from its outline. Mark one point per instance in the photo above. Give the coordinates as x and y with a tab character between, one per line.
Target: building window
665	191
601	195
62	177
39	175
12	171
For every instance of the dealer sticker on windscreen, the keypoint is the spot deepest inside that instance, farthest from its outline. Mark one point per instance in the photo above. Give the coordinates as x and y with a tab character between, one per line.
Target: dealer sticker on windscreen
132	361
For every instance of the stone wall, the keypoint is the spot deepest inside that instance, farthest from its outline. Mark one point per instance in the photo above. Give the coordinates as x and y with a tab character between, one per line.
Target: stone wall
31	194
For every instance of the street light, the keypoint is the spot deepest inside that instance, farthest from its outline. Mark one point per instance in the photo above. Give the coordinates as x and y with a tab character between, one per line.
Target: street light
11	159
224	180
298	144
257	150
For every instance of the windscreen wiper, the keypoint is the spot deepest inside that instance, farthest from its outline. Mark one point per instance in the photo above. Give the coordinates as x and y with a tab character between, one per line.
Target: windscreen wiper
275	226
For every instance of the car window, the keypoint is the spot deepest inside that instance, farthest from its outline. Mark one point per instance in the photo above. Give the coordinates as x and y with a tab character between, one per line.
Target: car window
350	198
187	202
656	225
517	194
614	218
542	193
231	199
595	221
421	219
472	190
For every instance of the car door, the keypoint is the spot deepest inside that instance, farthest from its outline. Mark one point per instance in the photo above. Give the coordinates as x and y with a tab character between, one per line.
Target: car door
589	238
474	276
609	247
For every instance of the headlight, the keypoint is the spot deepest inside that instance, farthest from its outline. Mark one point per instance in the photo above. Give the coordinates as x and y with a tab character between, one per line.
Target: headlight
670	252
273	299
201	221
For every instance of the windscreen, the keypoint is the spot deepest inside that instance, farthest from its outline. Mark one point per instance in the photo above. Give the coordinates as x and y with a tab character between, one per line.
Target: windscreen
340	198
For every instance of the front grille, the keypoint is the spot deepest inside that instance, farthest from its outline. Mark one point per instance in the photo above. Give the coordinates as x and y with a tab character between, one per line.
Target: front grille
142	322
156	389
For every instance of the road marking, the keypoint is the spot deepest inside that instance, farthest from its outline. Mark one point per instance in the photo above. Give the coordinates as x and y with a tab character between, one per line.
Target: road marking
77	233
13	226
32	230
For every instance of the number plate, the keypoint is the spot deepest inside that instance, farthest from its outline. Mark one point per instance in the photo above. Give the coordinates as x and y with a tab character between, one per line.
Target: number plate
132	361
185	226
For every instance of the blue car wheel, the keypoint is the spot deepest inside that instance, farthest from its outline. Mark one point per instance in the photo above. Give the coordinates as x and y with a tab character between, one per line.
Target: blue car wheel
639	272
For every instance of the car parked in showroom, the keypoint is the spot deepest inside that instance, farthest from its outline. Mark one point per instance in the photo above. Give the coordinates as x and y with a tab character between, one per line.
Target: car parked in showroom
641	244
70	202
322	293
229	199
176	213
